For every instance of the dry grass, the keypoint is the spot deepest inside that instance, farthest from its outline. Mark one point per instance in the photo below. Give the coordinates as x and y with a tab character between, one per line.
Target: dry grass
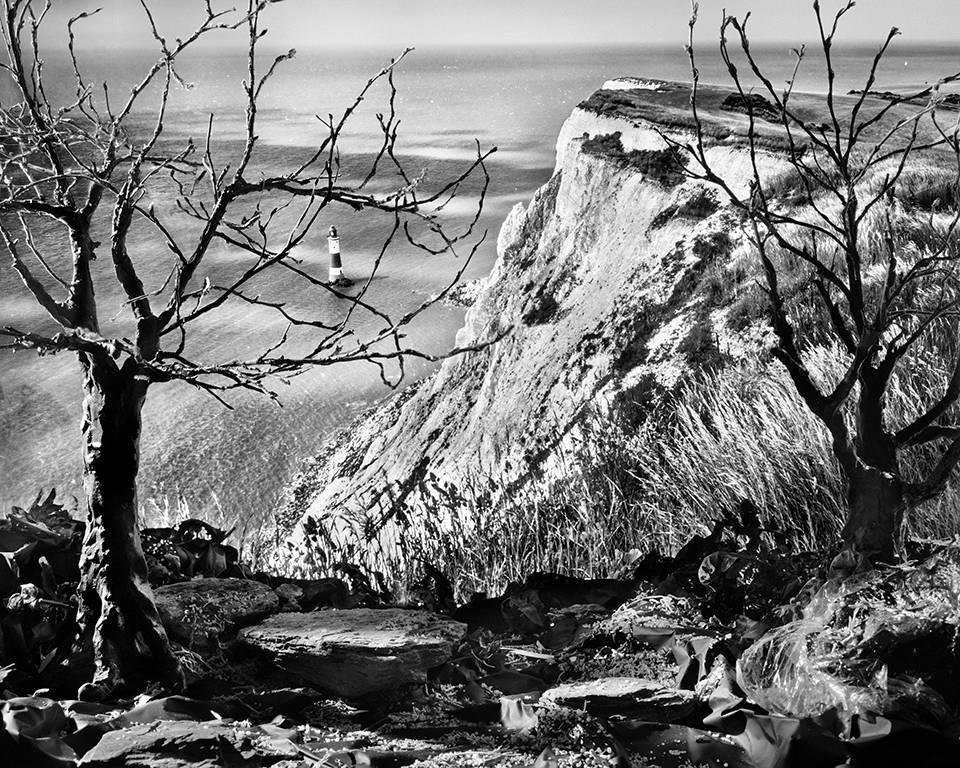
252	539
735	433
928	188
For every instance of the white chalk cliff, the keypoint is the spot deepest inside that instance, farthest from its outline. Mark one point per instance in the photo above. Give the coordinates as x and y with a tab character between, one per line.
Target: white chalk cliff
597	284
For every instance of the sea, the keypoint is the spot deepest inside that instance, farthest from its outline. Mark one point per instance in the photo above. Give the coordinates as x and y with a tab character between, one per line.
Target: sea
237	460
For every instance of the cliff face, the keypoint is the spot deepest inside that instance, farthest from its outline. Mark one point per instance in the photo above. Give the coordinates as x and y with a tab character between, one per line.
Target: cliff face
598	286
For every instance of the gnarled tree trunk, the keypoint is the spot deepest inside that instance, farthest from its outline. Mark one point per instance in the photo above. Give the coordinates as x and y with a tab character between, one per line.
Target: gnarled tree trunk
875	492
876	508
116	604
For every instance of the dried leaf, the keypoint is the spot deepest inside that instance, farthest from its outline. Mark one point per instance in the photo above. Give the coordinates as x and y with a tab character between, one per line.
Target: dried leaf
518	713
47	578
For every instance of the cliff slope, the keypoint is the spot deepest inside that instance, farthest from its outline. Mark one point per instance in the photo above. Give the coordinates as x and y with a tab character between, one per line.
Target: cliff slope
602	288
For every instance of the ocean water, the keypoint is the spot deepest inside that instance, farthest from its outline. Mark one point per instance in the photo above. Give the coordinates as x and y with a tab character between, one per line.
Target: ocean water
515	99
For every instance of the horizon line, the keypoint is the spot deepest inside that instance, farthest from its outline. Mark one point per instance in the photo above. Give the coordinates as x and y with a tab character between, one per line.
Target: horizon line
539	45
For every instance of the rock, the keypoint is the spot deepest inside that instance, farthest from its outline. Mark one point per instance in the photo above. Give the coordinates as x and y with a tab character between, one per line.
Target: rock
328	592
641	699
357	653
483	612
180	744
197	612
525	613
569	625
290	596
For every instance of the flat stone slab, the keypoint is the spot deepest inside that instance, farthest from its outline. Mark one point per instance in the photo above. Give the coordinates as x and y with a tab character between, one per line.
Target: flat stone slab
642	699
197	612
357	653
180	744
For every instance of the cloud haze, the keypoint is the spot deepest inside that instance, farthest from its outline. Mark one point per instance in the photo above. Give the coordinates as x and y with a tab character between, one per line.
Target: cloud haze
378	23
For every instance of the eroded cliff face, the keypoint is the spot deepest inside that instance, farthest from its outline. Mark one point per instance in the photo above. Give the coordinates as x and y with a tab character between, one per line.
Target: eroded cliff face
598	290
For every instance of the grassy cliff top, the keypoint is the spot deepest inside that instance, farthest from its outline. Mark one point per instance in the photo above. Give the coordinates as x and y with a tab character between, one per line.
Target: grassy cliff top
724	118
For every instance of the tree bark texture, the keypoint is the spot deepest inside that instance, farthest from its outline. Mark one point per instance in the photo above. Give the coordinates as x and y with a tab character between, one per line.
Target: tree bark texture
876	508
116	603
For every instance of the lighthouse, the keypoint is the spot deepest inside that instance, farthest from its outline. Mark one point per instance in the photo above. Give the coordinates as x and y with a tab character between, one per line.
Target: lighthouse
336	266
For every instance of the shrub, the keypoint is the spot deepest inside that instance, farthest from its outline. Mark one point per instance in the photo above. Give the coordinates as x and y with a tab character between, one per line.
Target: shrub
700	204
543	309
664	166
643	324
700	348
715	286
755	103
751	308
928	188
607	144
713	246
786	185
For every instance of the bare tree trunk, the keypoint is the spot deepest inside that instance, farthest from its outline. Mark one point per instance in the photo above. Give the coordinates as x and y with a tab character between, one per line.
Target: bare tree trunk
875	493
876	508
116	603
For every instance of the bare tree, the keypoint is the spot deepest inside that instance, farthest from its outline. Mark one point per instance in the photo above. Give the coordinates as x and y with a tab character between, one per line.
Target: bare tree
94	161
888	303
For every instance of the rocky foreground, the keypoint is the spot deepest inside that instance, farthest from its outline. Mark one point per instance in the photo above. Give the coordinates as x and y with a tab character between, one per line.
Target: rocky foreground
730	654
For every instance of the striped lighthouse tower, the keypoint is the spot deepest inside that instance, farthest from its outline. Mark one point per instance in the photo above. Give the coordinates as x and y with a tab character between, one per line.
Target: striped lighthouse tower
336	266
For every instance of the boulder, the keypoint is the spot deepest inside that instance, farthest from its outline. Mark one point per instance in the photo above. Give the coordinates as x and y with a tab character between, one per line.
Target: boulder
290	596
181	744
357	653
633	696
197	612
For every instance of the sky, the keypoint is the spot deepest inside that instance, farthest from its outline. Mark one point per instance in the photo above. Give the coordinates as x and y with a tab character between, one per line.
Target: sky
428	23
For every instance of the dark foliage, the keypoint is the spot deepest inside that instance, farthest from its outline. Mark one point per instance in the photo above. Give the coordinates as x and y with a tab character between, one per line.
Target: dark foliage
193	548
699	205
40	570
752	103
700	347
665	166
543	310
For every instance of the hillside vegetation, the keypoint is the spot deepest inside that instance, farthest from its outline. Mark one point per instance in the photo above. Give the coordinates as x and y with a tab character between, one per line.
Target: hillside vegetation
679	414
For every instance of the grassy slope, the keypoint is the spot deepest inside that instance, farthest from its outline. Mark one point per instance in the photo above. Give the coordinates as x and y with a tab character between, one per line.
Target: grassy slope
669	107
734	430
